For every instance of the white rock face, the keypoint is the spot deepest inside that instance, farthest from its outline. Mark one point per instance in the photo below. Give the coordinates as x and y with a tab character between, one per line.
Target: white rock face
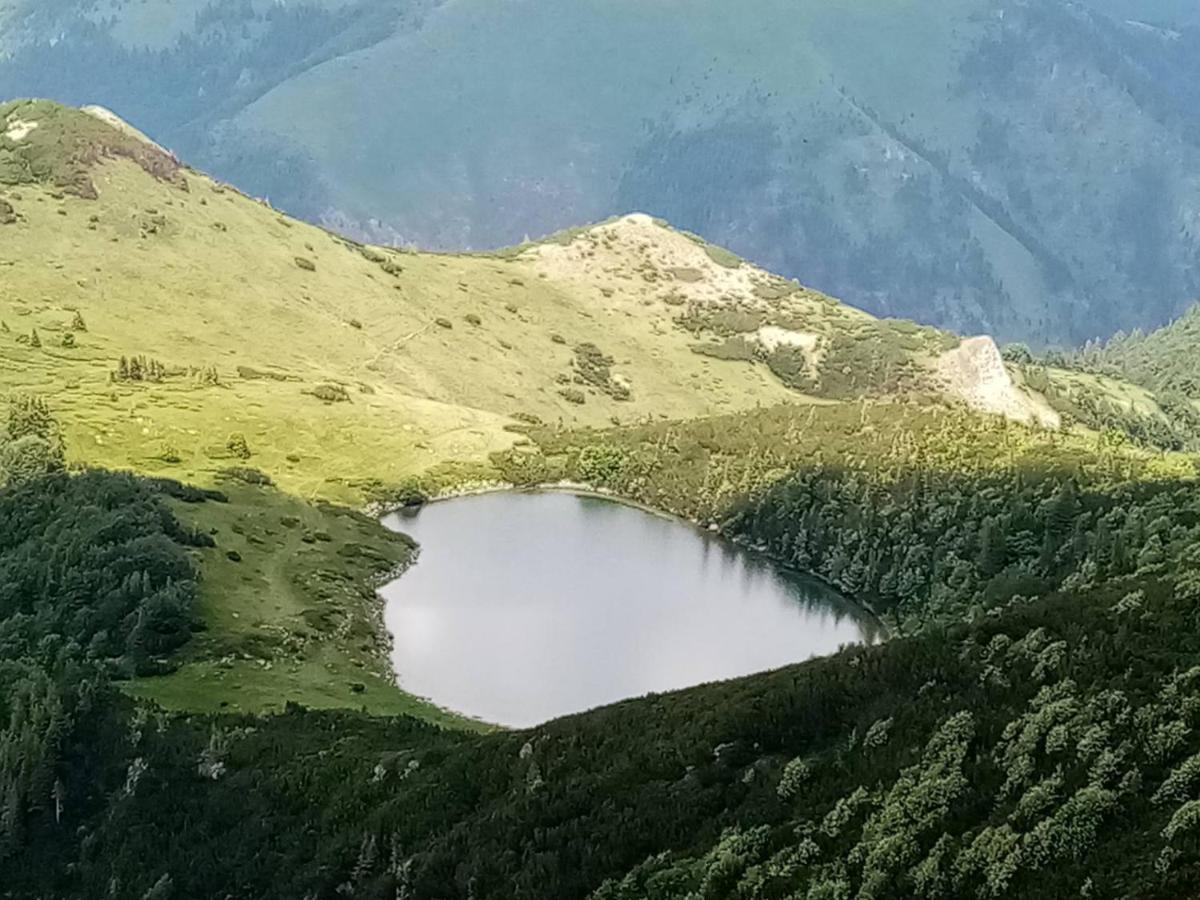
17	129
975	373
109	117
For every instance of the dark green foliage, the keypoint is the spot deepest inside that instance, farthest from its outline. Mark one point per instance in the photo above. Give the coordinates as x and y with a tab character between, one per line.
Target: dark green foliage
92	566
247	475
1166	360
185	492
410	492
791	367
1046	731
237	446
1176	428
925	514
27	458
139	368
594	368
868	361
1038	738
731	348
31	443
331	393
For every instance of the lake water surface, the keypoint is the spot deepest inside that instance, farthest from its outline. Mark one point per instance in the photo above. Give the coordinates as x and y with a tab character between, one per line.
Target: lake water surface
527	606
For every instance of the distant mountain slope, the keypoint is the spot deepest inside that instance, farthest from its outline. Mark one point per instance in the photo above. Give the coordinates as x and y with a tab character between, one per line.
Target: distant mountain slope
182	327
1020	168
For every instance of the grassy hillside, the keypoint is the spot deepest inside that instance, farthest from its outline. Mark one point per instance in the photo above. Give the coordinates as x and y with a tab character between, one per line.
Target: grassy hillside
178	328
917	159
183	328
337	363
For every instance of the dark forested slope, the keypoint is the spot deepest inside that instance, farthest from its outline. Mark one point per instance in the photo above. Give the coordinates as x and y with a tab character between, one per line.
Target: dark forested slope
1037	737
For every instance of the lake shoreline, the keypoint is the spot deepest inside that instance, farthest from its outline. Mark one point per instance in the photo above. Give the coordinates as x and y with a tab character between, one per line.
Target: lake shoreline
582	489
515	533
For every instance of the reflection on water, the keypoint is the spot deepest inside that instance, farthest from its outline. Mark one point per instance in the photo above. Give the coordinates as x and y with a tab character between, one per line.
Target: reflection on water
527	606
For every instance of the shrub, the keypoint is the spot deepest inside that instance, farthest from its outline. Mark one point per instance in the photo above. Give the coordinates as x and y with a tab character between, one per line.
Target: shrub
686	274
601	464
306	264
735	348
572	395
795	775
237	446
331	393
790	367
29	457
68	340
473	319
247	475
443	322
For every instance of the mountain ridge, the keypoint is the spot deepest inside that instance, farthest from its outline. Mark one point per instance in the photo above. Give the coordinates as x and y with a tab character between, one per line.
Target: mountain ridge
625	319
763	153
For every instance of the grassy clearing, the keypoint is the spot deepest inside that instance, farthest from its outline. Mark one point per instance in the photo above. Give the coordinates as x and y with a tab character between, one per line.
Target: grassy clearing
289	610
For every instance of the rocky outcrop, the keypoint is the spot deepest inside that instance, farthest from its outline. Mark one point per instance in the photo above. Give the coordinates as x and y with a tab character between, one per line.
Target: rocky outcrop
975	373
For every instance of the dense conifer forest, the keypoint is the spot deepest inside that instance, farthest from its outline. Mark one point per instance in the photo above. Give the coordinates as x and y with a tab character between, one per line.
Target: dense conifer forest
1031	730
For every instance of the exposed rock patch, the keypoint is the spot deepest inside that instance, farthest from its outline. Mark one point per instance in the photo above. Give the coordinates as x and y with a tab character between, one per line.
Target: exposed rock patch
18	129
975	373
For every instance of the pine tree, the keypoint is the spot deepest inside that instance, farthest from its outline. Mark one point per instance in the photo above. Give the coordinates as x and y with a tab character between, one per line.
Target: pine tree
34	340
77	323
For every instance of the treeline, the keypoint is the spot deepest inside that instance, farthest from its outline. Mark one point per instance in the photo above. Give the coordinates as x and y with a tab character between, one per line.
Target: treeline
95	583
1164	360
927	547
924	513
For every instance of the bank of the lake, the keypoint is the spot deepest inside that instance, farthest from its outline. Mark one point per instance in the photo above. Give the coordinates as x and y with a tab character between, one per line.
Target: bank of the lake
527	605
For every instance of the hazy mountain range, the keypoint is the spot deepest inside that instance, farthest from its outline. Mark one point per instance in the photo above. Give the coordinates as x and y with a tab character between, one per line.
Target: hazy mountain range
1027	169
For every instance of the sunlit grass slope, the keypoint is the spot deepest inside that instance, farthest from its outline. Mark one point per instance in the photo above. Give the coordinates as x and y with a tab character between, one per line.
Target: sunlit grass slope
254	339
337	363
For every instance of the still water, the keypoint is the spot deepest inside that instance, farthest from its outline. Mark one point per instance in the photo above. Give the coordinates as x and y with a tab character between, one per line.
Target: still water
527	606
